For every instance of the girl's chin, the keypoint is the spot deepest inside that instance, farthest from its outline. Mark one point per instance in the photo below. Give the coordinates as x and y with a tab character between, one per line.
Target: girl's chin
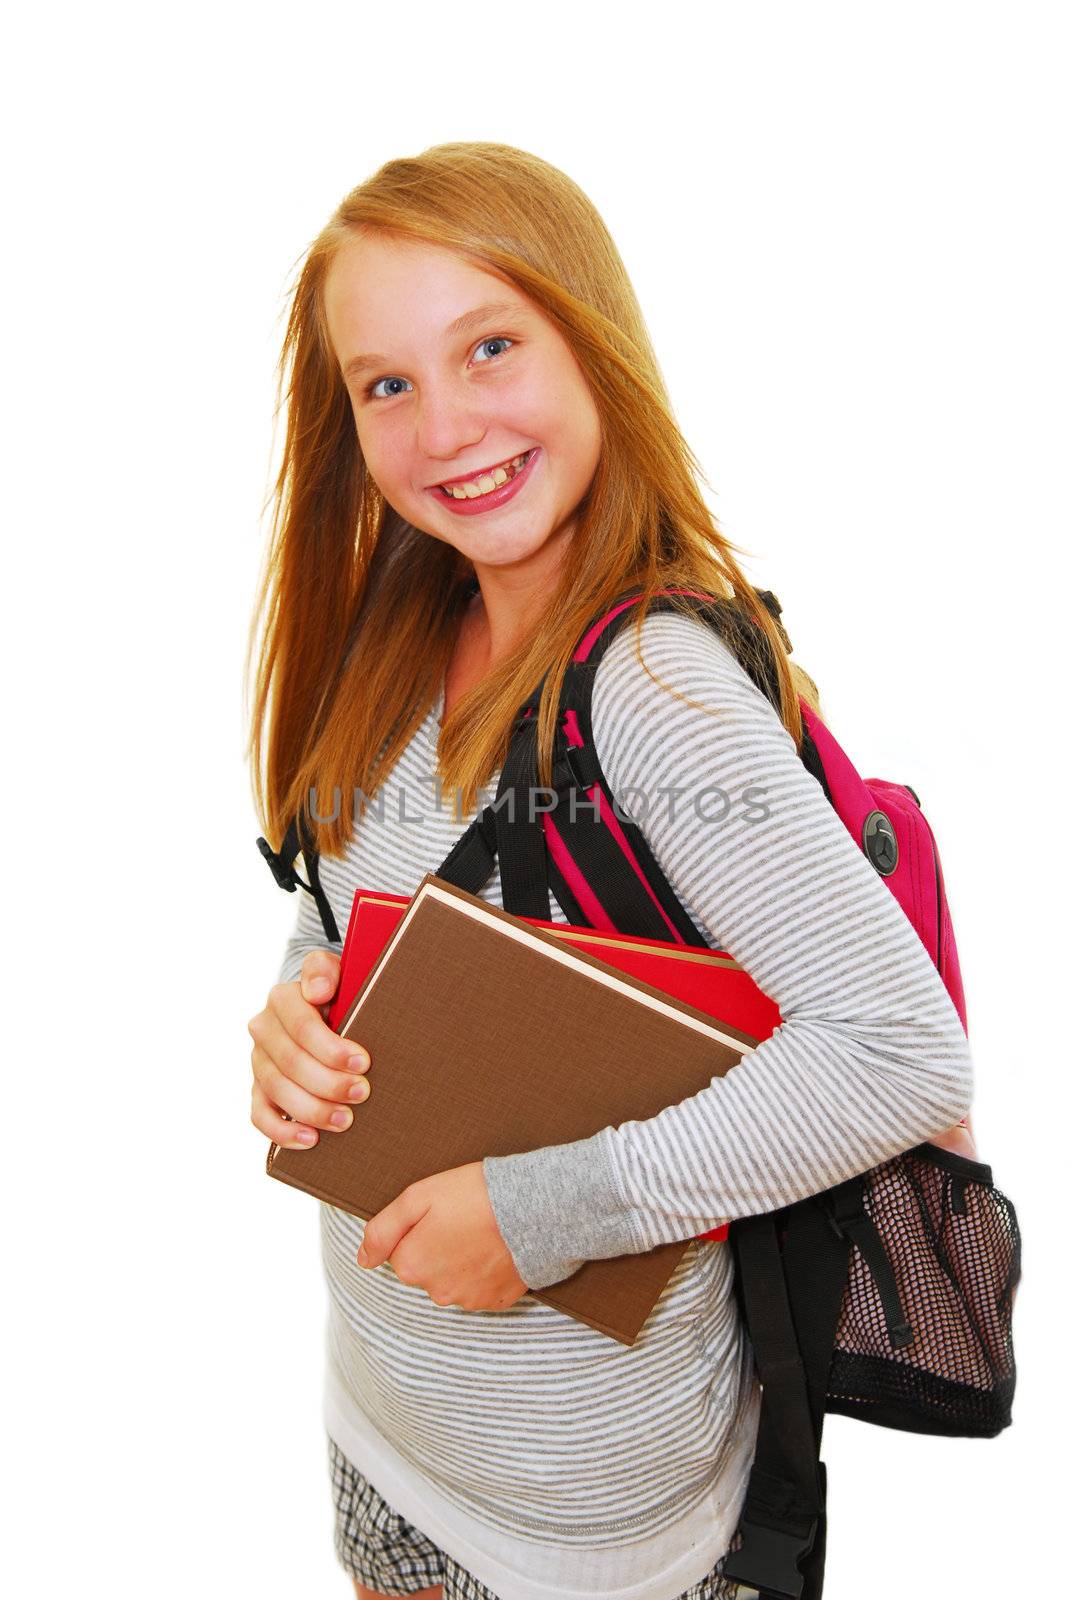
487	554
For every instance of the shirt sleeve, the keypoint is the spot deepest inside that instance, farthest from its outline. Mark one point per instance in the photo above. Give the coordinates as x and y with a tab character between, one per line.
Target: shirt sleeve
870	1057
308	935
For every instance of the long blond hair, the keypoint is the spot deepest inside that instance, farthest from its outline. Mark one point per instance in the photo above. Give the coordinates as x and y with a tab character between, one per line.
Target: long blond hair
357	611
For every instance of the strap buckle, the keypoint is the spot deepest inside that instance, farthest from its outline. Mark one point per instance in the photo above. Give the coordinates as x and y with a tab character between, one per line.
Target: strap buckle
283	874
768	1559
572	761
575	766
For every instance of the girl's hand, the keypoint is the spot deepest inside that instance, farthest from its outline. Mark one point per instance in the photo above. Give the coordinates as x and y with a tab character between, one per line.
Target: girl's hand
300	1065
441	1234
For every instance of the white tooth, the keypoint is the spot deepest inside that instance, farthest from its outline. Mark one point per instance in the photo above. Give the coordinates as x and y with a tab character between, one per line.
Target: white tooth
486	481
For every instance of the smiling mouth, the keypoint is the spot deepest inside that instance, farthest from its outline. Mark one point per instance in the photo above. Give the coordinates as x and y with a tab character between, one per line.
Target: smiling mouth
485	482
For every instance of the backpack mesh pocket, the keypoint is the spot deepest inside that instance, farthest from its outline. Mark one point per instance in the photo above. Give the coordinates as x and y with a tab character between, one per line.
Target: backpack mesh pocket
945	1365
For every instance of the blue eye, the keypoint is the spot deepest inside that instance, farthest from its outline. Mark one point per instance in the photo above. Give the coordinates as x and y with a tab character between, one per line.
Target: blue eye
497	338
372	394
372	387
370	391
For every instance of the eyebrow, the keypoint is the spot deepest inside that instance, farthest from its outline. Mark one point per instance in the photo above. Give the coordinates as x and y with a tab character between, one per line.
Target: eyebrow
468	320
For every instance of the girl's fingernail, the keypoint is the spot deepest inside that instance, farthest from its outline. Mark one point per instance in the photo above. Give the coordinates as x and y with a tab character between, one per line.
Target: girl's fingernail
358	1063
358	1091
319	987
305	1135
341	1119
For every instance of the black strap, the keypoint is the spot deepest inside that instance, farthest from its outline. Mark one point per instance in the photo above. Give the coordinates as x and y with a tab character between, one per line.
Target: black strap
785	1498
522	847
472	859
281	863
851	1221
815	1261
813	762
581	819
815	1265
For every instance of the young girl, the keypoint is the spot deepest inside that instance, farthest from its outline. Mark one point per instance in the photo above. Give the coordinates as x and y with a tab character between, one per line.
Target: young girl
480	457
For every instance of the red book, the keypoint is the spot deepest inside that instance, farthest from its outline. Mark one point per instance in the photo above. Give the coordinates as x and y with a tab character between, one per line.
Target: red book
708	979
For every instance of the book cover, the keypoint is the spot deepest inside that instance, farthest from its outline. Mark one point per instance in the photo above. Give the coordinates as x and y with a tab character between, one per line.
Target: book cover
490	1034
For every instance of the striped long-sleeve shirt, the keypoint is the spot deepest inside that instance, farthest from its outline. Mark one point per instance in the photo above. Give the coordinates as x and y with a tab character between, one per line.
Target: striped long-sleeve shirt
548	1459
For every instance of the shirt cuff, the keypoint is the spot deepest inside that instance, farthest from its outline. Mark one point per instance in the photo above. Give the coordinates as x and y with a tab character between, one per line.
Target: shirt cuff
558	1207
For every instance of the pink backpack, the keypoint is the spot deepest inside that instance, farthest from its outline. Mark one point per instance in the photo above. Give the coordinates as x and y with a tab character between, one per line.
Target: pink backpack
885	819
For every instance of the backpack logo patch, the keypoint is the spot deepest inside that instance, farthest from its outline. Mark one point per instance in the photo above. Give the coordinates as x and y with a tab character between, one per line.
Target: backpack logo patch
879	843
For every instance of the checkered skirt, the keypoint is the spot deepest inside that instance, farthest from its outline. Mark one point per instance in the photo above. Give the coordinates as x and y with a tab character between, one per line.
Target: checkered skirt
383	1551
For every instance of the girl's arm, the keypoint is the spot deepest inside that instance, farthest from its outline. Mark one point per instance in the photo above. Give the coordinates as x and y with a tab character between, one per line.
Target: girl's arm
870	1058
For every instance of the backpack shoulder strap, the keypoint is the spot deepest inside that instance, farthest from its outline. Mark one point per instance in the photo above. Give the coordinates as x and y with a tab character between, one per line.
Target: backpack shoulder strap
725	617
597	842
591	839
297	842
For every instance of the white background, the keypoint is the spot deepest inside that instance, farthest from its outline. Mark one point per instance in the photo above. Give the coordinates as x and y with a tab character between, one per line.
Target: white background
845	224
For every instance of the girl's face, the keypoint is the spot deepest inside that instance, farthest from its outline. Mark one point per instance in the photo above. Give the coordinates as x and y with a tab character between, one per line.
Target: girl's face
469	375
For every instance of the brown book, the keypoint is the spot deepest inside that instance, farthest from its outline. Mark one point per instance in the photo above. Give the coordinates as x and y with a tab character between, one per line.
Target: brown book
489	1036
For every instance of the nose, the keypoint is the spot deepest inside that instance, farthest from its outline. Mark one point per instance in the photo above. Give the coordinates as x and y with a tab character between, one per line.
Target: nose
450	423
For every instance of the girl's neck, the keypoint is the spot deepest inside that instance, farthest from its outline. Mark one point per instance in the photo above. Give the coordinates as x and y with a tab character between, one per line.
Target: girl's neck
508	604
